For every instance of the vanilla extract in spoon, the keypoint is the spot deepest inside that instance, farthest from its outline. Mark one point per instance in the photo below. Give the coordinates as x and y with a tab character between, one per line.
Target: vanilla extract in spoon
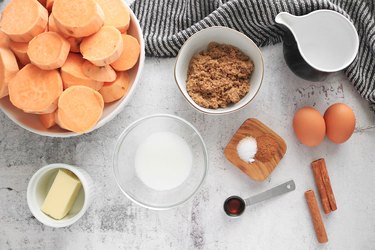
234	206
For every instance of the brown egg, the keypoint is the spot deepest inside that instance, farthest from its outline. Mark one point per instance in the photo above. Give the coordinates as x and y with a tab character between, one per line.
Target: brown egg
340	122
309	126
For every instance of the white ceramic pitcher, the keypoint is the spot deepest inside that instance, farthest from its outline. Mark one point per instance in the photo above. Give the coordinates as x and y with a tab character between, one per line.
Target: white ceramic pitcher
318	43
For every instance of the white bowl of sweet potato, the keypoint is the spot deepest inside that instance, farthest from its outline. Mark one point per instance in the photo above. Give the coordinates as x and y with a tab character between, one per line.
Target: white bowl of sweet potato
63	71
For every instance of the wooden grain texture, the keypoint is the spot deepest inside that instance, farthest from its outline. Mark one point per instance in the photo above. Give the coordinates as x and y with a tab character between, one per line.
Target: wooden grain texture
257	170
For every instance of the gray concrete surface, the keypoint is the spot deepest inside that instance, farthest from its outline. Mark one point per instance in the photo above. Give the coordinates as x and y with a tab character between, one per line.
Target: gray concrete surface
114	222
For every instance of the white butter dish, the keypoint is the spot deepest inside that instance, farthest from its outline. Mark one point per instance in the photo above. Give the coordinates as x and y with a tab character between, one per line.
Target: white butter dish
40	184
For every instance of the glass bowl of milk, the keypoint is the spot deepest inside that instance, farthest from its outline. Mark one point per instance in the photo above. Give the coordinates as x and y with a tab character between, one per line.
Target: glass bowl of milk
160	161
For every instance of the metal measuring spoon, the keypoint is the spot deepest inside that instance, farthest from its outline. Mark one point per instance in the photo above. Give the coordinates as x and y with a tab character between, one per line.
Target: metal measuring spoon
234	206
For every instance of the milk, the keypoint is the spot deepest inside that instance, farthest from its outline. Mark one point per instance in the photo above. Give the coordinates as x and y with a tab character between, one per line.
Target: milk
163	161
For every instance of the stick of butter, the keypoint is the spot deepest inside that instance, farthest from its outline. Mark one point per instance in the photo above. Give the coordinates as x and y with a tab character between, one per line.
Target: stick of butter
62	195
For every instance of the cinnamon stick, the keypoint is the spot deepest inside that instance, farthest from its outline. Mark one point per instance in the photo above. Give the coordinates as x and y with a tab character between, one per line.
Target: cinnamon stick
327	185
320	230
322	172
316	168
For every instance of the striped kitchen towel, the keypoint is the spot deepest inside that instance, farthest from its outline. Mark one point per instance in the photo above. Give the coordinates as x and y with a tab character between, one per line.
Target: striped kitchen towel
167	24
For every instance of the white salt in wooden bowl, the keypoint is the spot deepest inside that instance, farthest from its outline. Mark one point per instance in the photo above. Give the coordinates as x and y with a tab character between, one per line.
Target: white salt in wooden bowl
31	122
199	42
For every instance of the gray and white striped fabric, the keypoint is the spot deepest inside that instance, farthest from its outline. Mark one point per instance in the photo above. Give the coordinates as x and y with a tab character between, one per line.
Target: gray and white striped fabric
167	24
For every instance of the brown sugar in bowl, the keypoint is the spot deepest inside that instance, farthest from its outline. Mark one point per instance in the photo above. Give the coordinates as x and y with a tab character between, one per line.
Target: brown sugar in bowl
219	76
223	35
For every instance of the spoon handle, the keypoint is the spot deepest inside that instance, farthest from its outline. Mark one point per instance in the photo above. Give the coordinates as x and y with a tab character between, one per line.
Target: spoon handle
276	191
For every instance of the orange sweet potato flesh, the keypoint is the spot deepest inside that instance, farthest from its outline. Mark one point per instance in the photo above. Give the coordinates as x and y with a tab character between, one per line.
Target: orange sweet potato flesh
130	54
79	109
52	25
8	69
48	50
104	47
73	41
74	44
72	74
47	120
114	91
99	73
23	19
20	51
34	90
4	40
78	18
116	14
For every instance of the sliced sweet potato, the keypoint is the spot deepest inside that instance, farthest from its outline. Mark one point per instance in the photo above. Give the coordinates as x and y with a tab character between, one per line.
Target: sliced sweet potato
79	109
99	73
74	44
47	120
23	19
73	41
102	48
35	90
72	74
48	50
8	69
20	50
113	91
4	40
130	54
78	18
116	14
52	25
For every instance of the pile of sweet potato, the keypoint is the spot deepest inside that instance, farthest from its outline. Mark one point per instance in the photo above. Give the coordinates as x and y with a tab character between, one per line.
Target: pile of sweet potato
64	59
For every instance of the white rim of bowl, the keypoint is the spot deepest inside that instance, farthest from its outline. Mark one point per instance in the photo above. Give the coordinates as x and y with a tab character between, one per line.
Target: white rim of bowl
222	112
30	193
114	113
119	143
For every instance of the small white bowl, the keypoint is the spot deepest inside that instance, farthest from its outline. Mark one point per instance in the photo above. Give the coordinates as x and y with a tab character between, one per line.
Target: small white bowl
40	184
31	122
199	42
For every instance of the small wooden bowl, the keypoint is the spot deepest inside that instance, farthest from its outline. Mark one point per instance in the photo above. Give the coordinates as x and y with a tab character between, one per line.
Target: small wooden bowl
258	170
